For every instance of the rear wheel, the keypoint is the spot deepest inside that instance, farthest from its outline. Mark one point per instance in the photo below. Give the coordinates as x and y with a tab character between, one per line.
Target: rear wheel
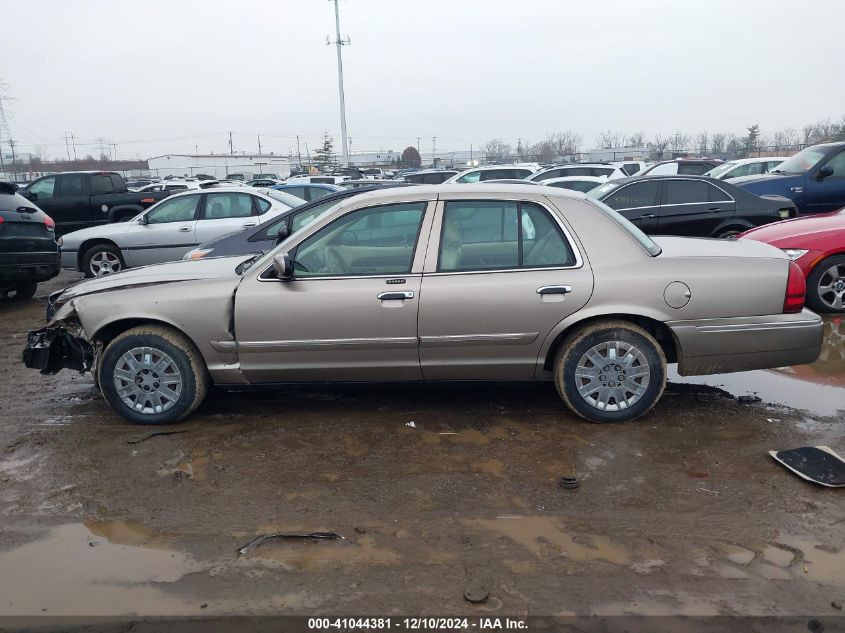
826	285
102	259
610	371
26	291
153	375
729	232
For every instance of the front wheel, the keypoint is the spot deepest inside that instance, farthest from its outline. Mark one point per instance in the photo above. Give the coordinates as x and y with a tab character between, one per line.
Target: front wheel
826	285
102	259
610	371
153	375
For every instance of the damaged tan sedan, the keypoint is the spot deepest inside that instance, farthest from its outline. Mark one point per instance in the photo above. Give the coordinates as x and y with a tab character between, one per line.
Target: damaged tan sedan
452	282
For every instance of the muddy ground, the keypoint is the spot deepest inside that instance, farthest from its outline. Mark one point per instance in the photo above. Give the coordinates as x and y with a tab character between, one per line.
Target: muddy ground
436	489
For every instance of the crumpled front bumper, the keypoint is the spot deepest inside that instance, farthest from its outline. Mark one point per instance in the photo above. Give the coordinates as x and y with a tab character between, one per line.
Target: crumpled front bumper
54	348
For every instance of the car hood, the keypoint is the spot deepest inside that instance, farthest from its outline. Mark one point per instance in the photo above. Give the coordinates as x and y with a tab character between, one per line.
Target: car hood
772	181
712	247
799	231
170	272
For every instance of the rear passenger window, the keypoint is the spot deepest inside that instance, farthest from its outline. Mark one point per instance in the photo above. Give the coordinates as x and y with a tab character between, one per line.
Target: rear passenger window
693	169
220	206
641	194
685	191
263	205
101	183
717	195
500	235
71	184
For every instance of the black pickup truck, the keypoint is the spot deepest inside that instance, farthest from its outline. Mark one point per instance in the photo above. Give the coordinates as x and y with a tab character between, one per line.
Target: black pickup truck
79	199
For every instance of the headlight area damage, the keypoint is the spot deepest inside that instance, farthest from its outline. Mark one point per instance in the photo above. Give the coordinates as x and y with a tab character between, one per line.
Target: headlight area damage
56	347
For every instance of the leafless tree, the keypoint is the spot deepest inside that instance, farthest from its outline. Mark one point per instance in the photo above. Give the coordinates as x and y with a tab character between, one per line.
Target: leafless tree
659	144
702	142
609	139
637	139
717	142
679	142
820	131
543	152
497	149
565	143
784	139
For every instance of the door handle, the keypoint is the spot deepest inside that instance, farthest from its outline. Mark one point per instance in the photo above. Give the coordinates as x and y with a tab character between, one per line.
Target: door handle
393	296
647	216
248	224
554	290
184	229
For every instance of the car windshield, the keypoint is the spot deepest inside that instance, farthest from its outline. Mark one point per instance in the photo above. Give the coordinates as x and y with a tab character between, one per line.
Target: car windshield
721	169
645	241
802	161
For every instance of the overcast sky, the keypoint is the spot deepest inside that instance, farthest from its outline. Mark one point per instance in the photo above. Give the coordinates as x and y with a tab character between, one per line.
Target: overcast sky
171	76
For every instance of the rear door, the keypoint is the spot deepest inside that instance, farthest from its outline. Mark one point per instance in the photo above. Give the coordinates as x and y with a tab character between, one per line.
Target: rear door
638	201
828	194
499	275
224	213
169	231
686	208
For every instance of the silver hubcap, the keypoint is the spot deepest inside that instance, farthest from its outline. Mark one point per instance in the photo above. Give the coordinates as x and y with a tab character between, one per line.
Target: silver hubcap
832	287
147	380
104	263
612	376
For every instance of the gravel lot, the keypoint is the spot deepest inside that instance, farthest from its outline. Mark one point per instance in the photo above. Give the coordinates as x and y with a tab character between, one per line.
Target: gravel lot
438	490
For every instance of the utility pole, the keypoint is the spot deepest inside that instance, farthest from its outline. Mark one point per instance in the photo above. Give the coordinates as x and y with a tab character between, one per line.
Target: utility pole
73	145
12	143
418	145
231	151
67	146
434	151
308	156
114	147
340	43
259	144
4	130
298	153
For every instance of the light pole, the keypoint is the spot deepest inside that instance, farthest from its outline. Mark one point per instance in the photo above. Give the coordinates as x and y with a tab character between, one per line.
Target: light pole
340	43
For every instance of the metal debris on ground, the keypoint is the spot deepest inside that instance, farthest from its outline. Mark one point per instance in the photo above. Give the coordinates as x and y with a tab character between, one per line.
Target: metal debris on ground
258	540
568	483
144	438
819	464
476	592
411	424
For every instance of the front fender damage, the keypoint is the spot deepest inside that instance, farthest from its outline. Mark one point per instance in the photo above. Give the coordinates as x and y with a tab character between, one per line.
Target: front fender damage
60	345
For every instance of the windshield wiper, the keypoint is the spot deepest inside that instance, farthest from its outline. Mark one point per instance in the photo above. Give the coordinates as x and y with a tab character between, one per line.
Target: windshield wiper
245	265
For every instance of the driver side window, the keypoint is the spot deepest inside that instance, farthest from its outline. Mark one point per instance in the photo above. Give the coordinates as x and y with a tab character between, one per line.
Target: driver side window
375	241
180	209
838	165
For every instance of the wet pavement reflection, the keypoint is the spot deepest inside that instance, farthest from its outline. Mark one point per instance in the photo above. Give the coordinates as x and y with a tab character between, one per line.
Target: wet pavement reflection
818	388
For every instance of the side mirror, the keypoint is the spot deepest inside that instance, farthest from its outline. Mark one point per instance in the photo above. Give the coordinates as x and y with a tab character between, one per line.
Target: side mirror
26	193
824	172
283	266
283	233
142	219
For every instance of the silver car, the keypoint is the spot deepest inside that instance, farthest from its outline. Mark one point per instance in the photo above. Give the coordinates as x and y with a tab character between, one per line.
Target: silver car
445	282
171	228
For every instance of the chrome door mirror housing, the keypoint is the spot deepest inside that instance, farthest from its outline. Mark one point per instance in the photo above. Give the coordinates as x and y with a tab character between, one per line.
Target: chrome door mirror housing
283	266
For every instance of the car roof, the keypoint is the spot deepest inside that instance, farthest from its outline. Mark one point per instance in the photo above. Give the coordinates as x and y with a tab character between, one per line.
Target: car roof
485	188
635	178
578	178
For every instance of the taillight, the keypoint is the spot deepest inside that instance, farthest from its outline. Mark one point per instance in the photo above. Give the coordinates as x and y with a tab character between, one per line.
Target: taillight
147	200
796	287
49	223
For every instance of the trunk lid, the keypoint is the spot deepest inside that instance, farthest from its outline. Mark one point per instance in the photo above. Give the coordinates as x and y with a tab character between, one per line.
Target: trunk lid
712	247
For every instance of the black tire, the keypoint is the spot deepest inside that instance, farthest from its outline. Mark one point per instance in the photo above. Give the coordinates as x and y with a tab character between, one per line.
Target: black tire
98	251
577	344
26	291
729	232
820	275
182	354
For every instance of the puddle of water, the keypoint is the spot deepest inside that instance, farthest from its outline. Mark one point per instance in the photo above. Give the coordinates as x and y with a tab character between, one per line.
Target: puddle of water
64	574
824	565
538	533
778	556
314	556
736	554
818	388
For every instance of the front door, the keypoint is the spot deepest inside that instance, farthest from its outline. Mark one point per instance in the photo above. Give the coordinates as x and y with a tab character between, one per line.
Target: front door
500	277
164	233
350	311
828	194
72	196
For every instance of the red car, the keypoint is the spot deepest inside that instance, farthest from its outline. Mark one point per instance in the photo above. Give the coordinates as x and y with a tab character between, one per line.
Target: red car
817	244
